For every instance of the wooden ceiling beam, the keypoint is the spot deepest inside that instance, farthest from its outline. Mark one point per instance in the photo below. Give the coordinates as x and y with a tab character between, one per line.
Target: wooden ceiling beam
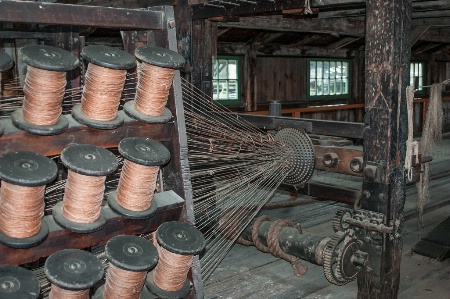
417	32
277	23
343	42
283	50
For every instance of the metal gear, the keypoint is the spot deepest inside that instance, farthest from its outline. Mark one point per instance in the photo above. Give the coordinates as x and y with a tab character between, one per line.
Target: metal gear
338	267
339	224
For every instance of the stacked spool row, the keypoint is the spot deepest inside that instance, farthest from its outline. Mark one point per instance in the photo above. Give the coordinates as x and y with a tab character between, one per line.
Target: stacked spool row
25	174
45	85
74	272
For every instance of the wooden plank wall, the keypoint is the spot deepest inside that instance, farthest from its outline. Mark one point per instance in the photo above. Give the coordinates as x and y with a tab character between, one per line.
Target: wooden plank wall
280	79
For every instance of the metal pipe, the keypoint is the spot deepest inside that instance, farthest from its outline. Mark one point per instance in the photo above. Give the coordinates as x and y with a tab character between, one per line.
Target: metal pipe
306	246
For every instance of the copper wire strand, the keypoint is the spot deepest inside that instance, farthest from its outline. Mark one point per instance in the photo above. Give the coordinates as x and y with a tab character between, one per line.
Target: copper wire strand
60	293
152	89
83	197
123	284
44	91
171	271
137	186
21	210
102	92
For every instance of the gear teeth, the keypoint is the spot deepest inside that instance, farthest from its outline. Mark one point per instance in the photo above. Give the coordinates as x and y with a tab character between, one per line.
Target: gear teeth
337	220
332	256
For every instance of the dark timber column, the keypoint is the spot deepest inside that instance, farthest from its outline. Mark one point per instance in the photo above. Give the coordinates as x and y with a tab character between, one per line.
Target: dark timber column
387	76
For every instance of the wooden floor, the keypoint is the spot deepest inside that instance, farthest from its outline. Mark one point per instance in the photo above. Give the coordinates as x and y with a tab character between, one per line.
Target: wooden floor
247	273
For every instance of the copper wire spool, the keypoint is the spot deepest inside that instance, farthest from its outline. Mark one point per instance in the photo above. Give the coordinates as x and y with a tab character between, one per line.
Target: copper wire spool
171	271
142	160
103	85
6	63
177	244
24	176
72	272
81	208
59	293
153	89
44	93
83	197
102	92
21	210
130	257
44	90
137	185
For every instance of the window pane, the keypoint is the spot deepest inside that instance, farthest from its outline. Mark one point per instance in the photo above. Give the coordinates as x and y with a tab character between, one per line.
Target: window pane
222	69
326	69
332	86
232	90
215	73
333	69
312	69
223	90
319	87
232	69
215	90
326	90
312	87
319	69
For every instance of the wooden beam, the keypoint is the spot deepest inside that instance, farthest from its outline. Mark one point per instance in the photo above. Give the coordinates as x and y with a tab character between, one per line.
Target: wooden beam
284	50
417	32
78	15
387	63
340	26
14	139
426	48
343	42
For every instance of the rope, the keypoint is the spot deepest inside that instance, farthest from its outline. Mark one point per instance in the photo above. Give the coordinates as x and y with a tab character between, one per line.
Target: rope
274	245
412	147
255	238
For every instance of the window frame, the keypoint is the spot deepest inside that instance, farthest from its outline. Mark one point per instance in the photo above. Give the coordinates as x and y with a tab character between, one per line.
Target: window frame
228	102
423	91
346	96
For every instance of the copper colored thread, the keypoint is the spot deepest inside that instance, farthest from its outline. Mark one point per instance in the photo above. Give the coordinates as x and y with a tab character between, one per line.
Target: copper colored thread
123	284
83	197
137	185
152	89
21	210
59	293
102	92
171	271
44	91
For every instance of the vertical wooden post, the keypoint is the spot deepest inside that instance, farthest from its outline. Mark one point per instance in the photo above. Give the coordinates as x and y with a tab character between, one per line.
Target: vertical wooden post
388	25
203	53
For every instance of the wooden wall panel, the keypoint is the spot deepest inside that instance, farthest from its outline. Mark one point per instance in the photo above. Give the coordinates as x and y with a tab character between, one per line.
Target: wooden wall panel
280	78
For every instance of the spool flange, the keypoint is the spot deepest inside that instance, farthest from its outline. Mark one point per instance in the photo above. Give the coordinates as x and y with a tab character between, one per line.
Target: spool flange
73	269
108	57
6	62
17	282
131	253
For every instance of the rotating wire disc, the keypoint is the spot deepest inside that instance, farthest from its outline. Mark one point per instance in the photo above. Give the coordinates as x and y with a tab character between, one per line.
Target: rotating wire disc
300	154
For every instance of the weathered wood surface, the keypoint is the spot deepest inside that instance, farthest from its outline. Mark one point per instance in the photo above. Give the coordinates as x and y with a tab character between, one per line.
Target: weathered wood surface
60	238
16	140
388	25
78	15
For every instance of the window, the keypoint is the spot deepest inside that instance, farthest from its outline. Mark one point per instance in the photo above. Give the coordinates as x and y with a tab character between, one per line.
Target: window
328	79
226	89
417	72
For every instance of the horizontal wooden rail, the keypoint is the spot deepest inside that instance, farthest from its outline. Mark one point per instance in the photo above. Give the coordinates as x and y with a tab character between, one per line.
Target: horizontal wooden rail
296	112
169	204
79	15
14	139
